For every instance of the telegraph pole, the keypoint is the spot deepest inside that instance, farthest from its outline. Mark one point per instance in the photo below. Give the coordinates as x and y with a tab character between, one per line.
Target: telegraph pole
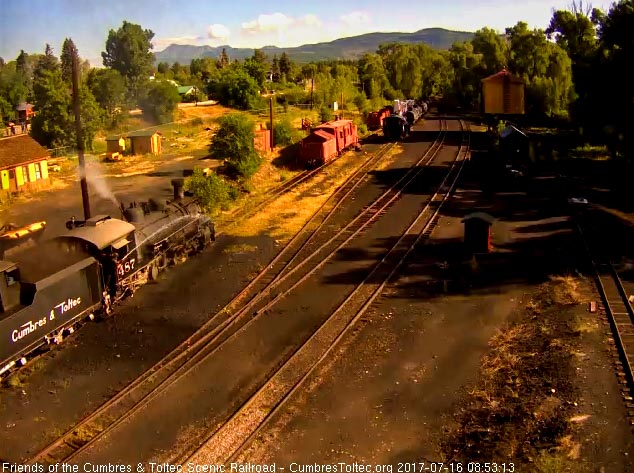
312	88
271	118
80	138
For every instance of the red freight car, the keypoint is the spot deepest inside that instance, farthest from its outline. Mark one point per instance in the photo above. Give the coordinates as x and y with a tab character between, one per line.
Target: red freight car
375	119
327	141
318	148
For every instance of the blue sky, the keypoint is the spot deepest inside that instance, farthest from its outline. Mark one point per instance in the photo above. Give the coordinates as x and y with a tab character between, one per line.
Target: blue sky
30	24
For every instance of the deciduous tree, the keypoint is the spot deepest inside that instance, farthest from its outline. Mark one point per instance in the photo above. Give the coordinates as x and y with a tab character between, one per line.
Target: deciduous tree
234	141
160	101
128	51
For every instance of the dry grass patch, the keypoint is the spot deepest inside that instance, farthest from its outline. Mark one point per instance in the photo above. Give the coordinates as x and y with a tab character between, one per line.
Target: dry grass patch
284	217
389	157
239	248
520	409
565	290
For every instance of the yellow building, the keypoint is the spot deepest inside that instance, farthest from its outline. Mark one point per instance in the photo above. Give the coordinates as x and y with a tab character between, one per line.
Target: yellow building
503	94
23	164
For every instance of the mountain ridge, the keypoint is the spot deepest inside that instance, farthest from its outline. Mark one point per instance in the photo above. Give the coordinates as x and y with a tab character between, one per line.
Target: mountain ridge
352	47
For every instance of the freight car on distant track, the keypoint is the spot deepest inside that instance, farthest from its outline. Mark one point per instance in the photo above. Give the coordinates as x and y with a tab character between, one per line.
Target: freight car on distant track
52	287
328	141
375	119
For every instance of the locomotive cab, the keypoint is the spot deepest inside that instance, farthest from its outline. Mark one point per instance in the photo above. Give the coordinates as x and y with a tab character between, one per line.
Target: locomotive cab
109	240
9	286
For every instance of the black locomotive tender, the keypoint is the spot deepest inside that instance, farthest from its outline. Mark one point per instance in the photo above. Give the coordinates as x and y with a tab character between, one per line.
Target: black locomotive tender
83	273
397	126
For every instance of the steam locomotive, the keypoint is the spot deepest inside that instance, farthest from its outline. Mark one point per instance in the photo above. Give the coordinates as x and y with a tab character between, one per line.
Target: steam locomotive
49	289
397	126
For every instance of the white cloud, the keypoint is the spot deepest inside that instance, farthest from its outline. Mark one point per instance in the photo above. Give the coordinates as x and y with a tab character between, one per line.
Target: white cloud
218	31
356	18
310	20
268	23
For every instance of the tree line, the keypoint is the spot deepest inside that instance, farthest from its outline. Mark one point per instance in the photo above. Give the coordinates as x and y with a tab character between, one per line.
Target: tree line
573	69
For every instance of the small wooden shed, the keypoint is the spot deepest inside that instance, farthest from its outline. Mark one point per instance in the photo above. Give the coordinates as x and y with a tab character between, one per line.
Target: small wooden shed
503	94
477	232
25	112
142	142
115	144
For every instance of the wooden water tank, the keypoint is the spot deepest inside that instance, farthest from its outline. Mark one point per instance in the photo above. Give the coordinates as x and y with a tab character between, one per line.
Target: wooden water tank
503	94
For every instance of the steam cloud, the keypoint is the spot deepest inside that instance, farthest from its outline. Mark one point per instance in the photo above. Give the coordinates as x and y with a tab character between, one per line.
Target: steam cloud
96	181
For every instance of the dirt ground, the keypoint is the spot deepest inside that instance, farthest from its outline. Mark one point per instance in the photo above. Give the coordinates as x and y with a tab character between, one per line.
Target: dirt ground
58	389
493	359
489	360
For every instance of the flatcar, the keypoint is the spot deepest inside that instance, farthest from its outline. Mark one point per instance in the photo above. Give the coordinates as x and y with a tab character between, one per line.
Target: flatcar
81	274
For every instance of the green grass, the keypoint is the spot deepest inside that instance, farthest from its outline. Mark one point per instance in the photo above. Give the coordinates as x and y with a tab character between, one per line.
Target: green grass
240	248
590	151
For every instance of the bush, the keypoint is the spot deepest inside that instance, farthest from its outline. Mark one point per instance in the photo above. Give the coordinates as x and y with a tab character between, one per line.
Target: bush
284	134
362	129
233	141
197	121
160	102
325	114
248	165
212	190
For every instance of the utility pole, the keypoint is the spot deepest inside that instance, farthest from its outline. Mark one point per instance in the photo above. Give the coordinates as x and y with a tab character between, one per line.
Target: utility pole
342	104
312	88
271	118
80	138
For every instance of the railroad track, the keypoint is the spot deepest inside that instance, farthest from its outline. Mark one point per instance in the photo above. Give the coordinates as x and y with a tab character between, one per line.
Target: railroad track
140	392
271	195
226	442
617	308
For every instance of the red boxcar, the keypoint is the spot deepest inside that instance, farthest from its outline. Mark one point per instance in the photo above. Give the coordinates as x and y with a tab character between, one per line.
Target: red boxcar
375	119
318	148
327	141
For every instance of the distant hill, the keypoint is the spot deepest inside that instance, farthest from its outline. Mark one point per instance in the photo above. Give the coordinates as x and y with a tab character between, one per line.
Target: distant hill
344	48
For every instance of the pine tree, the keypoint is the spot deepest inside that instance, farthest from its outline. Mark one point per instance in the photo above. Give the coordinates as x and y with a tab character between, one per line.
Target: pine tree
224	59
68	51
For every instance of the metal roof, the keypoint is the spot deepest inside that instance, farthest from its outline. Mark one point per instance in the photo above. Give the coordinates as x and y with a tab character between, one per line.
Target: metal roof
319	135
20	149
480	216
101	232
22	106
504	75
335	124
143	133
6	265
183	89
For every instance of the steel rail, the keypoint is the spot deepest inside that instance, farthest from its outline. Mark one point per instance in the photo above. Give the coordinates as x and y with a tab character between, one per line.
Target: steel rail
262	405
70	440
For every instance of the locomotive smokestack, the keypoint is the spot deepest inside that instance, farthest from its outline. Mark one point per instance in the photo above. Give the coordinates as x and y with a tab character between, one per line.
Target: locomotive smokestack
178	184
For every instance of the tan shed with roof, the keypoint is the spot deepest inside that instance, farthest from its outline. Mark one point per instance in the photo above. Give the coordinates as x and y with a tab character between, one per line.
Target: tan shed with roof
23	164
115	144
503	94
142	142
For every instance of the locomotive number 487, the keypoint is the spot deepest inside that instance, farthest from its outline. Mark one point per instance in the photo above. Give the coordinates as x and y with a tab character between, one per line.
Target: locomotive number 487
124	268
